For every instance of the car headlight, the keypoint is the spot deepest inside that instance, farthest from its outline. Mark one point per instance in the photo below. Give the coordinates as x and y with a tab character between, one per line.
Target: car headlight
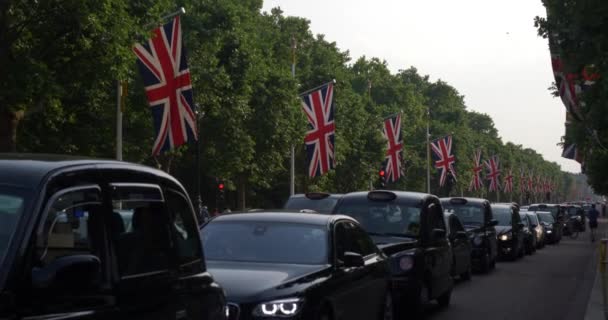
406	263
506	236
478	240
278	308
549	231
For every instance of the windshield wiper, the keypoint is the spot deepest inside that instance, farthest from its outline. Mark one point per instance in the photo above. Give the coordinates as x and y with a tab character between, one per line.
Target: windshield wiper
392	234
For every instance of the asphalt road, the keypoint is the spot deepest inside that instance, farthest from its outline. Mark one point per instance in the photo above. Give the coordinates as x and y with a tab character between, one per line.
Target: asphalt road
554	283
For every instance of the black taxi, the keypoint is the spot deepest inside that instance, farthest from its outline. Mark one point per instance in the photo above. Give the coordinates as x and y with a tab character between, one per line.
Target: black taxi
94	239
410	229
476	215
320	202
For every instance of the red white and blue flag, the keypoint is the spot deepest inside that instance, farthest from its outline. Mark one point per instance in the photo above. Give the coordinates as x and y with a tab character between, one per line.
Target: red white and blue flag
318	105
493	173
476	182
522	181
508	188
394	152
444	159
164	70
571	152
531	182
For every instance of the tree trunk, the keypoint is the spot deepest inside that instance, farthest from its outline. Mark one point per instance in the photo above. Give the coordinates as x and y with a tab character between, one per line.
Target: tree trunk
242	192
9	121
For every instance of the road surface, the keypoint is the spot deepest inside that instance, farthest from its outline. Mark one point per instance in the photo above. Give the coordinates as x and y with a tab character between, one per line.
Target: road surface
555	283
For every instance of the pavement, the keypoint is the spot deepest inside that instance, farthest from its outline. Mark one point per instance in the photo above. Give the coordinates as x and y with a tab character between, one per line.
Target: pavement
557	282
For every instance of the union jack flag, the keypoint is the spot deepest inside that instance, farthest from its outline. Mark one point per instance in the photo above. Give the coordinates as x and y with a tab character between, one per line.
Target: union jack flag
164	70
318	106
508	188
444	159
571	152
531	182
476	183
493	173
394	153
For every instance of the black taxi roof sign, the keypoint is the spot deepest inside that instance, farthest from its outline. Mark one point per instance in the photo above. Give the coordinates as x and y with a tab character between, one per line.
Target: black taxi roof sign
317	195
381	195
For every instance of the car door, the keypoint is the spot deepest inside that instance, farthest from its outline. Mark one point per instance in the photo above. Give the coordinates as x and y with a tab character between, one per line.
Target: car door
460	245
490	231
69	276
358	289
438	255
518	230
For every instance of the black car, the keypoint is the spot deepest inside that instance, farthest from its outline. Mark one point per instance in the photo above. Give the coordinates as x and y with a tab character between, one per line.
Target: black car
477	218
537	229
409	227
575	213
549	224
529	236
314	201
67	250
558	215
461	246
509	230
297	266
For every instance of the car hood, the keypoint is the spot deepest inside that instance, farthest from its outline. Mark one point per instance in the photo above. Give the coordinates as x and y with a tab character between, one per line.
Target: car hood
391	245
502	229
251	282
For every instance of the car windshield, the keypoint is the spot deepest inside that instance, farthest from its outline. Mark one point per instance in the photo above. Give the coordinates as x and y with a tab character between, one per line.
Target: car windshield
265	242
325	205
11	208
384	218
503	215
468	214
523	219
533	218
546	217
553	209
573	211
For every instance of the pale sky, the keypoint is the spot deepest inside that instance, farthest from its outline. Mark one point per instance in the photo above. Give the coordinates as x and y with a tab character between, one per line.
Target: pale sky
487	49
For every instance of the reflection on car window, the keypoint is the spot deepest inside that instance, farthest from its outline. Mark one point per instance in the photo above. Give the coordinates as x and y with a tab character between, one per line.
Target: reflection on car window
265	242
546	217
11	207
524	220
503	215
385	218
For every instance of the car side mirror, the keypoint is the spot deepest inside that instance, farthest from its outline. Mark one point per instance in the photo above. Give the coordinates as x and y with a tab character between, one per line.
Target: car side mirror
353	259
520	225
493	223
75	273
438	233
462	235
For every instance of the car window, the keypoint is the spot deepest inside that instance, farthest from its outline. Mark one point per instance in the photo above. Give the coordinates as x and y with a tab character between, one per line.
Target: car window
503	215
435	219
455	225
468	214
379	218
139	229
185	233
12	201
350	238
325	205
73	225
524	220
265	242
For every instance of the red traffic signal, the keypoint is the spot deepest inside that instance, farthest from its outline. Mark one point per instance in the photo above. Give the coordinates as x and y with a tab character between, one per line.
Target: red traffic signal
220	186
381	173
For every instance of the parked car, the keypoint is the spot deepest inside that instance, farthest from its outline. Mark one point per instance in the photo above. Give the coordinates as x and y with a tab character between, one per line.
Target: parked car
314	201
539	231
509	230
558	215
529	237
461	246
289	265
66	251
409	228
549	224
476	216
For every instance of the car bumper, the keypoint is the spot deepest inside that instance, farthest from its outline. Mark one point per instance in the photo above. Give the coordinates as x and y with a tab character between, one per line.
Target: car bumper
404	288
477	256
506	247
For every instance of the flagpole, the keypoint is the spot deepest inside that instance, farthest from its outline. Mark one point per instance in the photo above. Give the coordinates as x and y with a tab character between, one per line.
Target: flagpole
292	171
118	121
428	151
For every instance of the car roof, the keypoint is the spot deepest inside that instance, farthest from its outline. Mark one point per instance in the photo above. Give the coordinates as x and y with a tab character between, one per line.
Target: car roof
400	194
329	195
28	170
544	204
469	200
502	205
285	217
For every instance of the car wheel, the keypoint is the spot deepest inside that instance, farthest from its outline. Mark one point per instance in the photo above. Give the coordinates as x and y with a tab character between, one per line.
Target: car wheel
388	308
444	299
467	274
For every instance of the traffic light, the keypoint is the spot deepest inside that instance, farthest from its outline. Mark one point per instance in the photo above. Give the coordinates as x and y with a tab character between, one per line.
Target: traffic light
382	178
220	190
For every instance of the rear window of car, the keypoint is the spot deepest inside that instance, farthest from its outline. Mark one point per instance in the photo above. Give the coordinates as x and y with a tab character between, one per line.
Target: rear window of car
325	205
